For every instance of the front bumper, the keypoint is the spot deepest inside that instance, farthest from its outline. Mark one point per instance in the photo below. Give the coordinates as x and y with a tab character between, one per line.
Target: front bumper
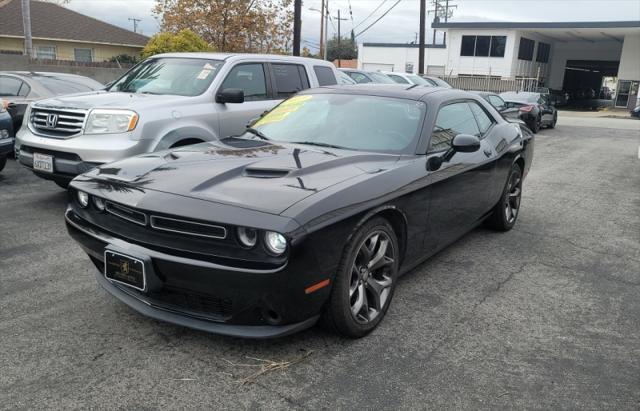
207	296
6	146
76	155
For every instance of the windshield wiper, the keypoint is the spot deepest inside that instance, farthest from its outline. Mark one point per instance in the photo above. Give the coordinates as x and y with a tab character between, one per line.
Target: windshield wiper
315	143
257	133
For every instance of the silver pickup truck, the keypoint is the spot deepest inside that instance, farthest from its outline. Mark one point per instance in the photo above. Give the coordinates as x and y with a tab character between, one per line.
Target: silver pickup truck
166	101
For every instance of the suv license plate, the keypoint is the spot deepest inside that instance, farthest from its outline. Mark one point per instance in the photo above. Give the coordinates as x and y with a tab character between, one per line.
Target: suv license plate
43	162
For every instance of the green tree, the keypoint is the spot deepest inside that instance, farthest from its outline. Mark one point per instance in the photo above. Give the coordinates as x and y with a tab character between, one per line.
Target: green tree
348	49
184	40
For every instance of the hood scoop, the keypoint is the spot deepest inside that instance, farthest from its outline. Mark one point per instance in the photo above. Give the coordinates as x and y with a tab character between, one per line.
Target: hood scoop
265	172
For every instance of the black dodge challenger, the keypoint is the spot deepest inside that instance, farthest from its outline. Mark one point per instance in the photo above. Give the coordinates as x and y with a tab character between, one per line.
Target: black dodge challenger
312	214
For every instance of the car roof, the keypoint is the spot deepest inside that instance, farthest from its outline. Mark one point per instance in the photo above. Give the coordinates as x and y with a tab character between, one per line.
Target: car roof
411	92
240	56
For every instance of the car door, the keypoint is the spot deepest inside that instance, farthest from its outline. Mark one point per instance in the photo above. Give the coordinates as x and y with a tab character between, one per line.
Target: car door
254	79
458	189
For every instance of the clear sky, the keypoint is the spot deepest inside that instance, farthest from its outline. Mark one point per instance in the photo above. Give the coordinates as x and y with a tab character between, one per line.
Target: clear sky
400	24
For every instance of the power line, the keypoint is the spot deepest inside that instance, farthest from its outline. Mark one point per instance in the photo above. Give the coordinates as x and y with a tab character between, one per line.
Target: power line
379	18
370	14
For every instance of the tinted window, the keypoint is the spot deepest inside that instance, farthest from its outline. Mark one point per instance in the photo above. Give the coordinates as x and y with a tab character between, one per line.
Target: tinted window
525	52
398	79
359	77
325	76
468	45
498	44
452	120
9	86
496	101
290	78
544	50
483	119
250	78
482	46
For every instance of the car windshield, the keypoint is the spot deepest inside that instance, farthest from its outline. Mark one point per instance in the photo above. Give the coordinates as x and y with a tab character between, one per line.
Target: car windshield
418	80
343	78
520	97
381	78
440	82
356	122
60	85
176	76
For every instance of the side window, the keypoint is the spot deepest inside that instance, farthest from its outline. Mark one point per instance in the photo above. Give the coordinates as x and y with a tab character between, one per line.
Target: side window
359	78
290	78
484	120
10	86
452	119
325	76
250	78
496	101
398	79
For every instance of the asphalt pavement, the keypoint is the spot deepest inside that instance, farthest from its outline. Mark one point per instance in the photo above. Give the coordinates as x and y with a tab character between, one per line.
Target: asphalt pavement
545	316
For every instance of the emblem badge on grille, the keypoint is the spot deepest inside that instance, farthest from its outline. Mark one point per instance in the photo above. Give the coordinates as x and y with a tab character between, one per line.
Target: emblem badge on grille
52	120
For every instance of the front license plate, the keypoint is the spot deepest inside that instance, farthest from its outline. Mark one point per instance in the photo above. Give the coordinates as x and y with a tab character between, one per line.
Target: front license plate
43	162
125	270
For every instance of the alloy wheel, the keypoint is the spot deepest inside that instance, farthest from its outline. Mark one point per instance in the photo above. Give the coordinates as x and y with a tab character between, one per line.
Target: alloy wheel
371	277
512	201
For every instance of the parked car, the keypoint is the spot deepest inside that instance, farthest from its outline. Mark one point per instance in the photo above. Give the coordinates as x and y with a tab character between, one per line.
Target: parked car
20	88
314	212
511	114
6	134
406	78
363	77
437	82
166	101
533	109
343	78
636	112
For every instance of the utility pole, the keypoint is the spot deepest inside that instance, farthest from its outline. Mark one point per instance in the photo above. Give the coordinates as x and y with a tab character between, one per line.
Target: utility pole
322	11
135	23
326	29
26	24
297	23
423	12
339	38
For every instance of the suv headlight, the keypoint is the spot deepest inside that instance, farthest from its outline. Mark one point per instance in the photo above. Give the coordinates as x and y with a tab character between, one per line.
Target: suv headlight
105	121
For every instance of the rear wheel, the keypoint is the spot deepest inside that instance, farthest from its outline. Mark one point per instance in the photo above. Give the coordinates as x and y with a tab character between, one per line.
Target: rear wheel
555	120
505	213
535	125
365	281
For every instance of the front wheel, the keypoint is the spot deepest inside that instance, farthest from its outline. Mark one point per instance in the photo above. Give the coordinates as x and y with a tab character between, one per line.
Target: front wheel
365	280
555	120
505	213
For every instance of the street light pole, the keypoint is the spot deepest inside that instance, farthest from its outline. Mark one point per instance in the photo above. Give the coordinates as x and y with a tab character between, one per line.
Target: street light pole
423	7
297	23
321	52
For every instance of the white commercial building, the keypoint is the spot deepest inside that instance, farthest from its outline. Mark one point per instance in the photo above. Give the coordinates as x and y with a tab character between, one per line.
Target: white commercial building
569	55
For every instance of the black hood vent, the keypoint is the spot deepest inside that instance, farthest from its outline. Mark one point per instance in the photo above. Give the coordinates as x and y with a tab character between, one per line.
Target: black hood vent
265	172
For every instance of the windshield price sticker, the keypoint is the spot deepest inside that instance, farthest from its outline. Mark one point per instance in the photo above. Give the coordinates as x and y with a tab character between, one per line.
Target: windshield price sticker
284	109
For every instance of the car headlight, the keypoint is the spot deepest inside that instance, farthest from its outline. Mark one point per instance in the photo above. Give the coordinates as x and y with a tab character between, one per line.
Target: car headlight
275	242
83	199
106	121
248	237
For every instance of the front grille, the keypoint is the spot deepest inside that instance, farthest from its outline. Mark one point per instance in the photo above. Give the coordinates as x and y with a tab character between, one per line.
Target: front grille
57	123
126	213
188	227
189	301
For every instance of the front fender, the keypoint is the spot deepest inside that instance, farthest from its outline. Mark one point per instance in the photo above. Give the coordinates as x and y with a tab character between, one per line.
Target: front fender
187	132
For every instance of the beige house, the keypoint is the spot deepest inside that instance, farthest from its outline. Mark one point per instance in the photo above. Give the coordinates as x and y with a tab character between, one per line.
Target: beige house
62	34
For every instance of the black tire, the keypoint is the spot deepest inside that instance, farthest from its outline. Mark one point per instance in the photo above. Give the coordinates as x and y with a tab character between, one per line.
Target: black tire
62	184
3	163
354	283
555	120
535	125
505	213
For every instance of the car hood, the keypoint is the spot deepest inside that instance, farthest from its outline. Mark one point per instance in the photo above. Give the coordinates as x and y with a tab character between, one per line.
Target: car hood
108	99
262	177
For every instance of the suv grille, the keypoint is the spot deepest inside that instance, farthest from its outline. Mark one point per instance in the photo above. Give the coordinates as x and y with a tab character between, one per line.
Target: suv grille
57	123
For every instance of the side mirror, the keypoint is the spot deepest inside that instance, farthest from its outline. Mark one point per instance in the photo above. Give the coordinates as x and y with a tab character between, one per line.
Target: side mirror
462	143
230	95
465	143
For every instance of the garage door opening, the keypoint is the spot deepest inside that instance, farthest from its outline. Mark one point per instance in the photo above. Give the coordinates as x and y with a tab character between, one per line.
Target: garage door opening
590	84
